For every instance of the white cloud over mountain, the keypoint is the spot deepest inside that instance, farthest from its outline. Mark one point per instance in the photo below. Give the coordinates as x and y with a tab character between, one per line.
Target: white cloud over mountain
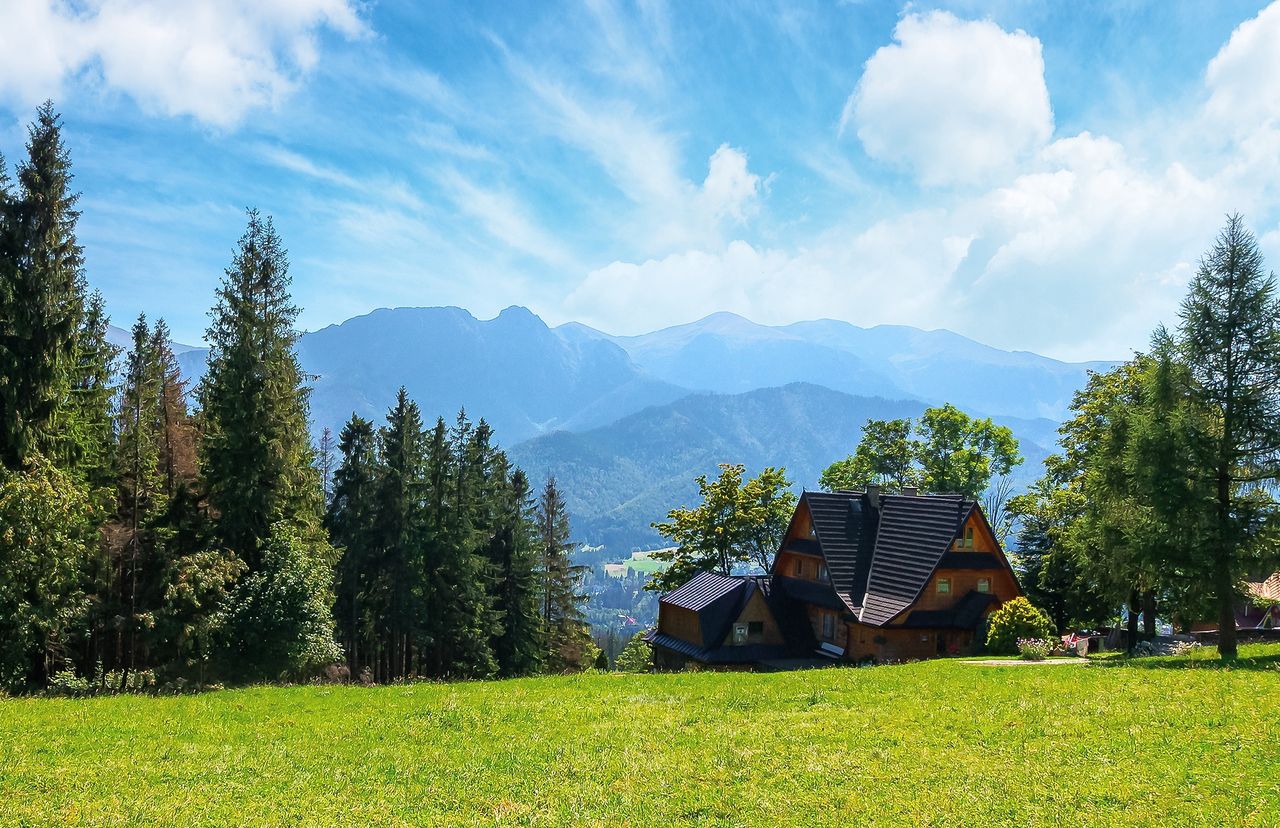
953	101
214	60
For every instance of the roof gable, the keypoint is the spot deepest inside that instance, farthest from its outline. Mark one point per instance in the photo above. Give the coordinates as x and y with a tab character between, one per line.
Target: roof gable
913	535
843	525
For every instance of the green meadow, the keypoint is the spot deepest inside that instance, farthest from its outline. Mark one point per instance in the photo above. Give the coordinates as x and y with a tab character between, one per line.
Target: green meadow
1158	742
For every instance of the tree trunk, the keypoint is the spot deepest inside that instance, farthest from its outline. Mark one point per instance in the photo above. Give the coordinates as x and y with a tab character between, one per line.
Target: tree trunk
1225	586
1149	614
1133	620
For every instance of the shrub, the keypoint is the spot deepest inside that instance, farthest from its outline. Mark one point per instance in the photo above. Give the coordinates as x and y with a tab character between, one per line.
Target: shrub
1014	620
636	657
1035	649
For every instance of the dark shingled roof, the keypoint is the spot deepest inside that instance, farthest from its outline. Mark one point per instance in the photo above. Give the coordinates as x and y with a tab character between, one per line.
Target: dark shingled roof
702	591
913	535
843	527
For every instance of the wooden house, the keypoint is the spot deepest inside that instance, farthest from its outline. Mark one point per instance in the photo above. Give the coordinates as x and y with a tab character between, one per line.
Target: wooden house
859	575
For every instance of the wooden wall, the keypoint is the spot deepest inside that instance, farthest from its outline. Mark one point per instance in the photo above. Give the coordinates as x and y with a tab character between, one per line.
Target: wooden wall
757	609
679	622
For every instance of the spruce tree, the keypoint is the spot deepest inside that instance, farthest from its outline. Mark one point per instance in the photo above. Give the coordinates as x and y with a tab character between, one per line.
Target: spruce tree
351	520
257	465
567	636
1230	339
519	644
41	292
399	524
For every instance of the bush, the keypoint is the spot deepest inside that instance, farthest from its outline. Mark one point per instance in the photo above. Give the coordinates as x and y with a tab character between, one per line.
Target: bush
1035	649
1016	619
636	657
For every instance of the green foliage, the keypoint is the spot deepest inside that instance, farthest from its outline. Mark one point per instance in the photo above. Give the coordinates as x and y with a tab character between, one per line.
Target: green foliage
737	522
636	656
41	292
951	452
885	456
1014	620
568	638
279	624
1229	339
48	540
255	450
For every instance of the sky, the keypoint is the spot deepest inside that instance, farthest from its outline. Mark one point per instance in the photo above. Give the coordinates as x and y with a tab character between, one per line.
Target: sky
1040	176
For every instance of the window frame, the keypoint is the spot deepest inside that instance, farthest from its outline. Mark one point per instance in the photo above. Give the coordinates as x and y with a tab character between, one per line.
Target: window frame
828	620
983	585
942	586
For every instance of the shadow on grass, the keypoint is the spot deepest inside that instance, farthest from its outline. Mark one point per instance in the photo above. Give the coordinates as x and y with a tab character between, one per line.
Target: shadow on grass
1261	663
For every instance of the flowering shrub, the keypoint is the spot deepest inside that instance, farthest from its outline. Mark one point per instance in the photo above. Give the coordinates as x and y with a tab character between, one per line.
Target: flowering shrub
1035	649
1015	620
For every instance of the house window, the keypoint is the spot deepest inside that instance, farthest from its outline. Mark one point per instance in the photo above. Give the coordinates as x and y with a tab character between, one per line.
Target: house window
828	626
822	572
984	585
739	633
968	537
755	630
944	586
799	568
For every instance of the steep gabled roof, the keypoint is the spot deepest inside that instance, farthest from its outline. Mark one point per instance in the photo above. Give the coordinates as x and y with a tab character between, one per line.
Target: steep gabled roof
913	535
716	599
702	591
843	525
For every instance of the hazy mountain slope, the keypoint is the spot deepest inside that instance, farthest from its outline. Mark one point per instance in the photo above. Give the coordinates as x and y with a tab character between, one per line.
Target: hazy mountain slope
621	477
724	352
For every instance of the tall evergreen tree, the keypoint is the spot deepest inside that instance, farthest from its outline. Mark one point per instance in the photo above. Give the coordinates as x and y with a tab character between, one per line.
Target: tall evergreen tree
399	524
41	292
351	520
1230	338
567	635
257	464
519	645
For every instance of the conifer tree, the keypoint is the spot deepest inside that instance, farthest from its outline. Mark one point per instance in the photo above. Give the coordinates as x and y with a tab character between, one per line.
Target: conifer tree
257	465
567	635
1230	339
519	645
399	524
352	523
41	292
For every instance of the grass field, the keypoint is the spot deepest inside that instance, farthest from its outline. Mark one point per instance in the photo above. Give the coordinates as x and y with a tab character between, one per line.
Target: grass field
937	743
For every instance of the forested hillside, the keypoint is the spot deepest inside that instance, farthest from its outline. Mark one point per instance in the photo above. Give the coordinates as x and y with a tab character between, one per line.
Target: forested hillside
622	477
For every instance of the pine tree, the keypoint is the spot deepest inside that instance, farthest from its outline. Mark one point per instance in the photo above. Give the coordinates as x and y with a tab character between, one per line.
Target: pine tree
351	521
567	635
519	645
257	463
81	436
41	292
399	526
324	462
1230	339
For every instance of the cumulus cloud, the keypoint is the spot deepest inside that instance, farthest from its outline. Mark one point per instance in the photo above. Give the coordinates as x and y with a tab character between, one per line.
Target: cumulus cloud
211	59
1243	79
952	101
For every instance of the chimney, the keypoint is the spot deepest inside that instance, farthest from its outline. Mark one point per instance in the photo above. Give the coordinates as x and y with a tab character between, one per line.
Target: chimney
910	491
873	496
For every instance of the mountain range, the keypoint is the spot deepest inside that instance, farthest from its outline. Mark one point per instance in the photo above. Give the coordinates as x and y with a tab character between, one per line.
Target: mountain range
626	422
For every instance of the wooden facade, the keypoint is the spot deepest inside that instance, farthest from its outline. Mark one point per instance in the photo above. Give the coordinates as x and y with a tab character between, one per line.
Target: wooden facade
860	576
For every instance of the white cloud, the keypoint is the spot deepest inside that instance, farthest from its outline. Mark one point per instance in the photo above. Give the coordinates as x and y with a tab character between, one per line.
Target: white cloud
953	101
212	59
1243	79
730	189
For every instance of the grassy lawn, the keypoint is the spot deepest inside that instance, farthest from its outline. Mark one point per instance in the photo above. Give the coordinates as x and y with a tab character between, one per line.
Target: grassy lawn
937	743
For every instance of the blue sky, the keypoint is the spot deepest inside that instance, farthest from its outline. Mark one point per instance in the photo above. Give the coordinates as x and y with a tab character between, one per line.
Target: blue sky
1038	176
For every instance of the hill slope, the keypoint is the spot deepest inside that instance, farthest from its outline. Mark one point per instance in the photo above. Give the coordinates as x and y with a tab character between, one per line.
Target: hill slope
931	743
727	353
621	477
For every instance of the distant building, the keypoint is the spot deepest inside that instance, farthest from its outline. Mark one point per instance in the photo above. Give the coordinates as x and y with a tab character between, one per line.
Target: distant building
859	575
